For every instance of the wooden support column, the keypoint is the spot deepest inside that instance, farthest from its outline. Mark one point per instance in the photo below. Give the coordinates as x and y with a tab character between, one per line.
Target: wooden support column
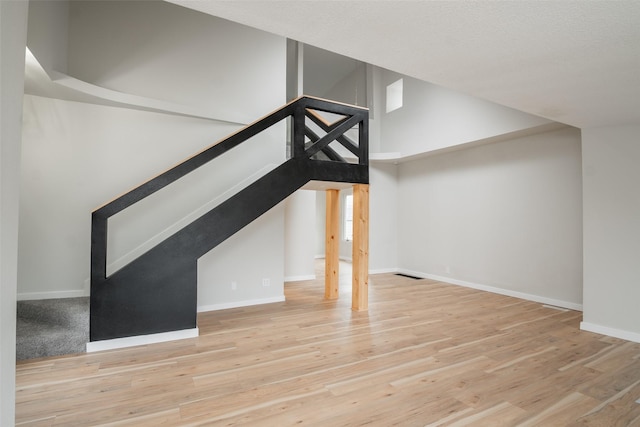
360	283
332	245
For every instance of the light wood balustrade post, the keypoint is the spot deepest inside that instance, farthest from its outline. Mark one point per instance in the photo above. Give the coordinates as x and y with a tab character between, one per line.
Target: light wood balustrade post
360	283
332	245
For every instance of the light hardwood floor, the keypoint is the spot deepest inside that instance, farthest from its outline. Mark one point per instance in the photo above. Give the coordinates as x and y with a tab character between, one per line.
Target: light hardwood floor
425	354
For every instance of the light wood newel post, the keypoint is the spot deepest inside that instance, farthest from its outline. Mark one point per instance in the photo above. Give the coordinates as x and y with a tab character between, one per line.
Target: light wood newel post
360	295
332	245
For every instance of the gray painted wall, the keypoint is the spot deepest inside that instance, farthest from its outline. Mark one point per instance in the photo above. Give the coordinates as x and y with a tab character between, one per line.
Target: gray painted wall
300	235
464	197
13	36
433	118
505	216
612	230
79	156
167	52
73	163
48	33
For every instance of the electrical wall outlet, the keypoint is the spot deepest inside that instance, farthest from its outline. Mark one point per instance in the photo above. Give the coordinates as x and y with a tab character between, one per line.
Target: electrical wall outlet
234	286
266	282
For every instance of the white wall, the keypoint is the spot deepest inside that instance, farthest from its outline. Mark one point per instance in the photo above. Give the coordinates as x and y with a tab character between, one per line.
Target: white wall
79	156
167	52
612	230
383	216
505	216
352	89
375	88
13	35
433	118
321	221
345	246
255	253
47	36
73	162
300	236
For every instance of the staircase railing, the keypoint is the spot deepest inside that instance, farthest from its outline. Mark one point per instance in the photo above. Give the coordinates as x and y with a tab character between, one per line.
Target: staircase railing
303	162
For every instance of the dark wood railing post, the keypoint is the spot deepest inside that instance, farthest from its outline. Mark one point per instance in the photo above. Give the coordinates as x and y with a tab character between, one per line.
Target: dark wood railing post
298	129
98	248
363	139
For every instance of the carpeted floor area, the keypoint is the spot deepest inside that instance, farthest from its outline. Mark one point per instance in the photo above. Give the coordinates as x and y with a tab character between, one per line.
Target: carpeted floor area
52	327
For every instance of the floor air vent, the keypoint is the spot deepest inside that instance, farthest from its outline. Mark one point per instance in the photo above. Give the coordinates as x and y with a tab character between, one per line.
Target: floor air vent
409	276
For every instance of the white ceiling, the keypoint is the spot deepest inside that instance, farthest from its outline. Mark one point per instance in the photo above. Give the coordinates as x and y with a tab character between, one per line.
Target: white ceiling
575	62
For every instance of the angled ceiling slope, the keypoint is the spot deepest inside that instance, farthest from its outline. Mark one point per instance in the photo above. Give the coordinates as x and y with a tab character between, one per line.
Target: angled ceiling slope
574	62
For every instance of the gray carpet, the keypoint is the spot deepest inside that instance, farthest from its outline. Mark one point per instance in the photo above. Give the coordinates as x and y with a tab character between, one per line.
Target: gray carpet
52	327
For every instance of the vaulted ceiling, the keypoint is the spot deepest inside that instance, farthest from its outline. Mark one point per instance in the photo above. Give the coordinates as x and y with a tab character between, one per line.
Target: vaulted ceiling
575	62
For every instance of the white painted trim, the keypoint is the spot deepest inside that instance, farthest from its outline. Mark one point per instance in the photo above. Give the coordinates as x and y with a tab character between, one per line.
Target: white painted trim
236	304
141	340
495	290
27	296
396	157
299	278
383	270
341	258
612	332
555	307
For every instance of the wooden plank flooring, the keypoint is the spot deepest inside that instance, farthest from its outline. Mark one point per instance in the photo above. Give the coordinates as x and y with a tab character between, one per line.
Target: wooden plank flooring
425	354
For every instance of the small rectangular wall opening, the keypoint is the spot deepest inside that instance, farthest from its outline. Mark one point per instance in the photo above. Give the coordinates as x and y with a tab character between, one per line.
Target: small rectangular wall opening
394	96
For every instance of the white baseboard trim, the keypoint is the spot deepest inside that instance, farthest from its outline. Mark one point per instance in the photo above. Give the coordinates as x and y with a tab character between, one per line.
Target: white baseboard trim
612	332
341	258
27	296
493	289
383	270
141	340
299	278
236	304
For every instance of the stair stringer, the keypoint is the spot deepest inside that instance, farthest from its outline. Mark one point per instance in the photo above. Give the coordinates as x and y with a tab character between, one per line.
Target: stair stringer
157	292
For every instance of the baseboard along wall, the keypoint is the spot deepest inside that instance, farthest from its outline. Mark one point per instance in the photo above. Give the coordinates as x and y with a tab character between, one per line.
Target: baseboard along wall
612	332
28	296
300	278
495	290
237	304
141	340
